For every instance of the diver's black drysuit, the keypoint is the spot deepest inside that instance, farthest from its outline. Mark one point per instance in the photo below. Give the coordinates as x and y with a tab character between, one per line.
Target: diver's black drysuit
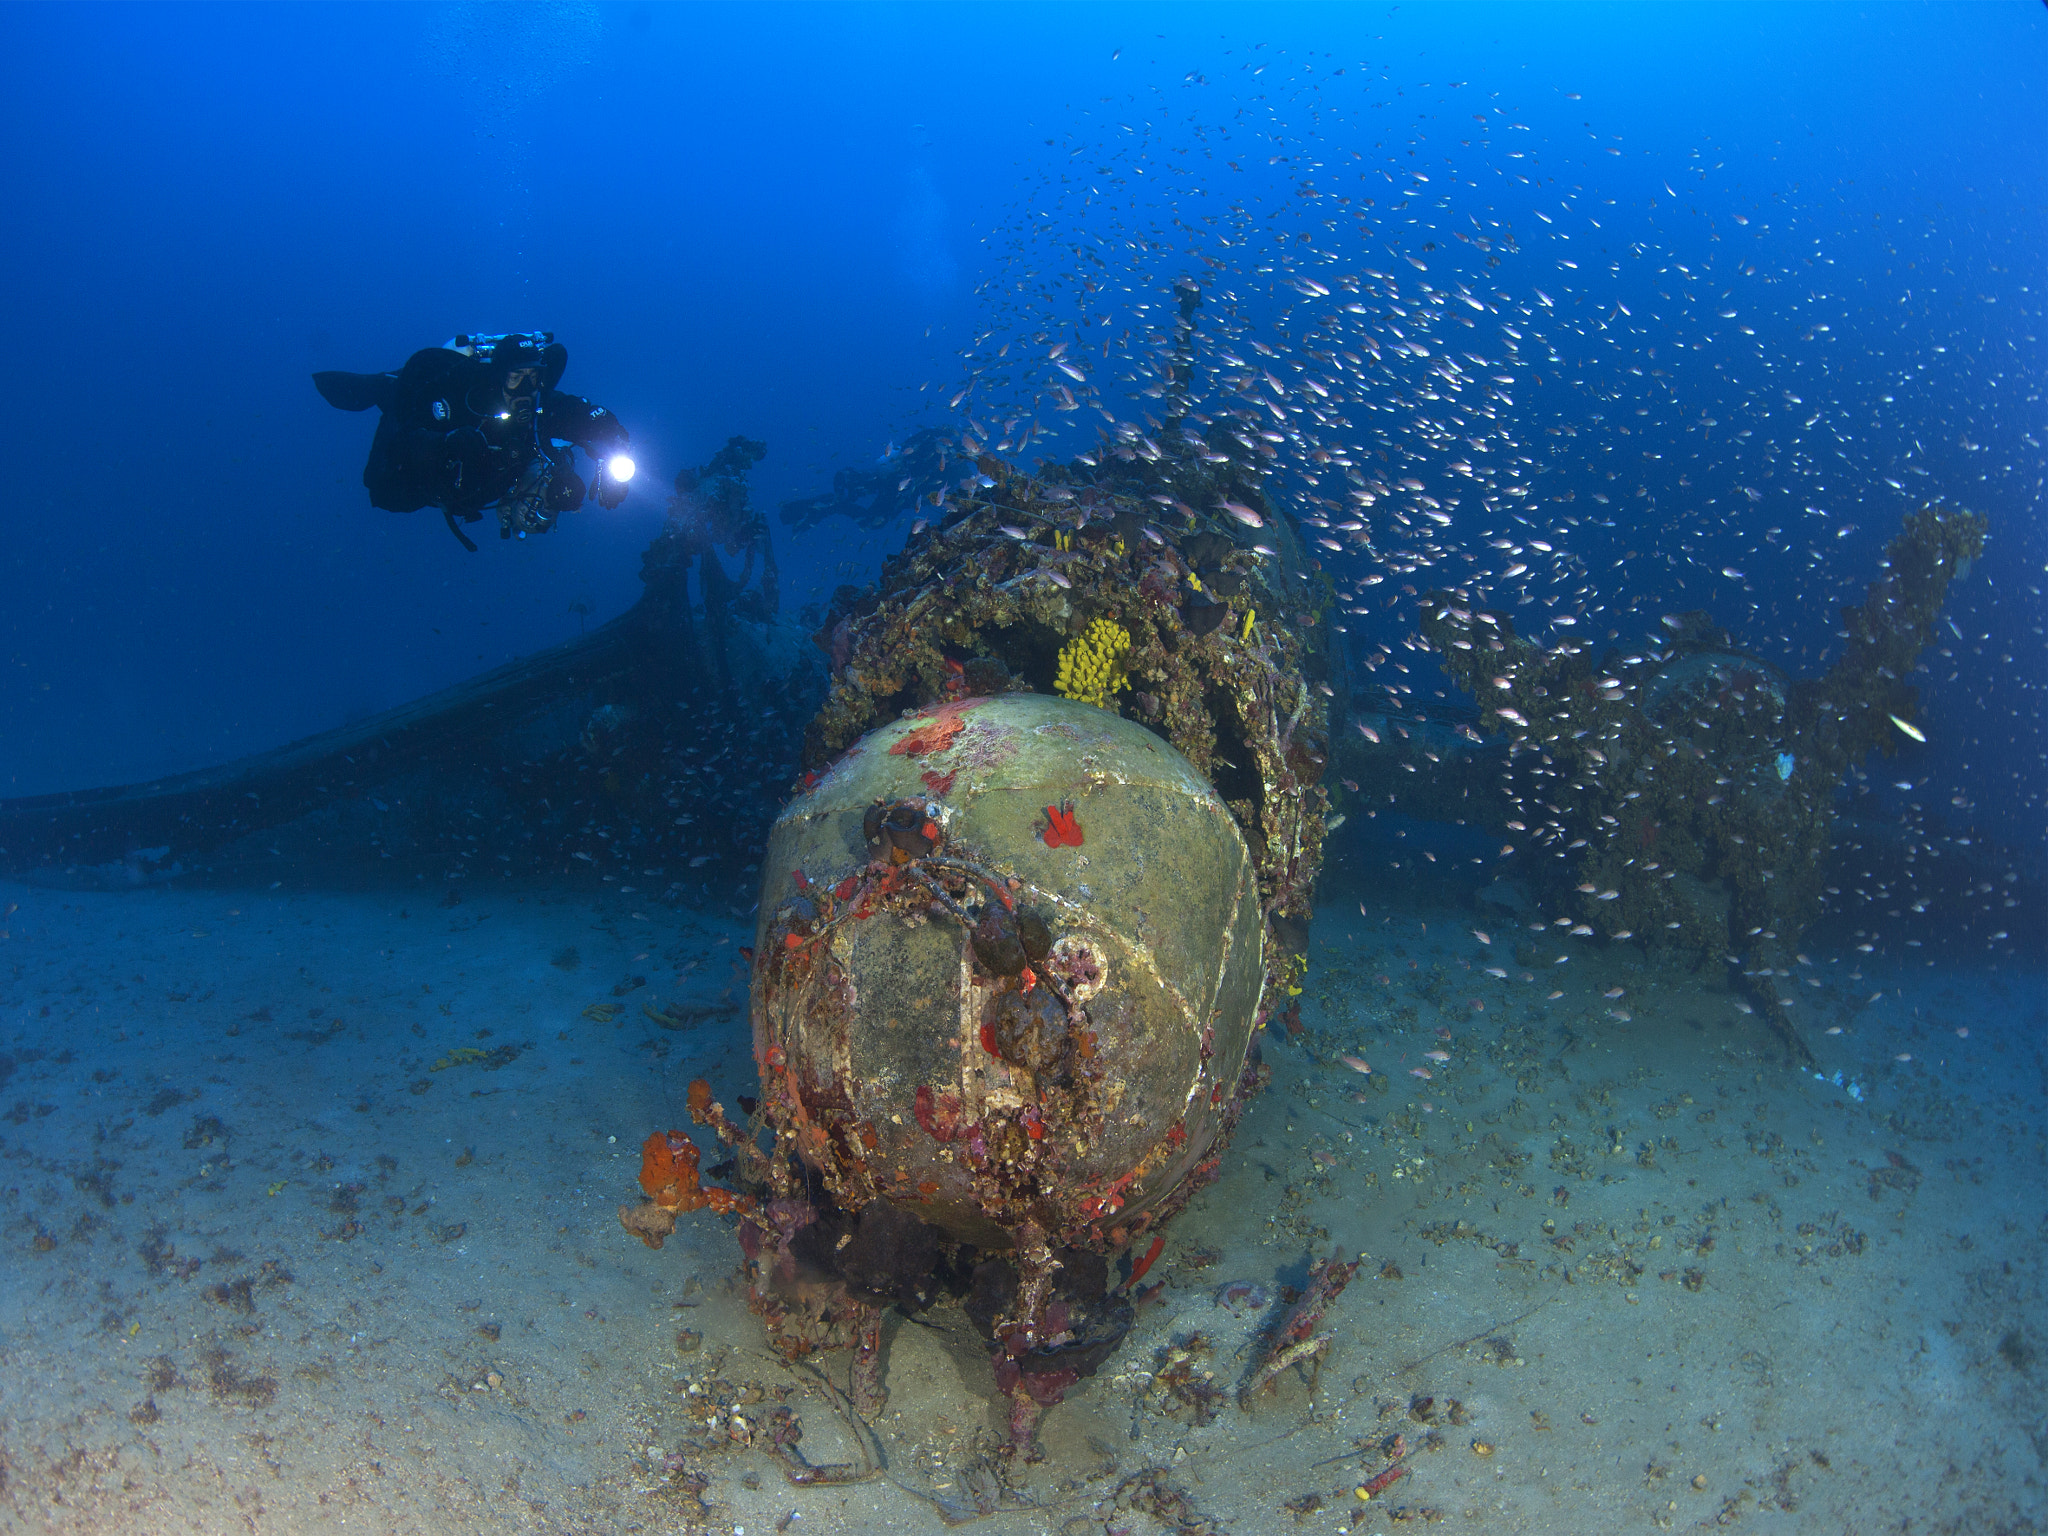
443	439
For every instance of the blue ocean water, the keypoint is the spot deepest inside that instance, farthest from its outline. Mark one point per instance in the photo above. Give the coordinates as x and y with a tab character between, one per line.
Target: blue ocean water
1660	310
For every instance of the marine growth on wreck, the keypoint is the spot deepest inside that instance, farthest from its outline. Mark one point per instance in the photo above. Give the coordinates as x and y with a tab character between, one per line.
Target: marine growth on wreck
1022	717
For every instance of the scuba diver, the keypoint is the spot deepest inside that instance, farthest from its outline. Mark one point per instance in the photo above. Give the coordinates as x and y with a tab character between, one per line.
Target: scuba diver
480	421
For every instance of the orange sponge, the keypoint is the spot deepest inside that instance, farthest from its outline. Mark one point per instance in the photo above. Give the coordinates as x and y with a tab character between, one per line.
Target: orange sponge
668	1172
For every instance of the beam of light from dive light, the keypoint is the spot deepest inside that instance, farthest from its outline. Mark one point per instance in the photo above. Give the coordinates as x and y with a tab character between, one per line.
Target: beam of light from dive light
620	468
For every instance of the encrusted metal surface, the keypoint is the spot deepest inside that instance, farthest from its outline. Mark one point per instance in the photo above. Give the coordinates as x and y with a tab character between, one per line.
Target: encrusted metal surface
1078	1093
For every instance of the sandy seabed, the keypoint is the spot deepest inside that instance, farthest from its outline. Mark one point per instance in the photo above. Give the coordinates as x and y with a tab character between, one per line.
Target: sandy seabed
308	1223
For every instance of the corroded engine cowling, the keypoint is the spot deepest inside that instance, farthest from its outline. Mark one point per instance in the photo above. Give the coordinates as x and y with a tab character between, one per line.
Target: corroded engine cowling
1009	963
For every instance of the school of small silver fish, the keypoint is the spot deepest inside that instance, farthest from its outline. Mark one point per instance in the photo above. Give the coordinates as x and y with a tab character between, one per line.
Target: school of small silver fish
1459	332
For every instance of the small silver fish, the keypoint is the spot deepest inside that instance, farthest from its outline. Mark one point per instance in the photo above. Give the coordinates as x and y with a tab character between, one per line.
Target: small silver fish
1244	514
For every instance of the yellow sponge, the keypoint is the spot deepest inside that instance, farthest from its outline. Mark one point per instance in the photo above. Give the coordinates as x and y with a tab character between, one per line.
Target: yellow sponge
1091	668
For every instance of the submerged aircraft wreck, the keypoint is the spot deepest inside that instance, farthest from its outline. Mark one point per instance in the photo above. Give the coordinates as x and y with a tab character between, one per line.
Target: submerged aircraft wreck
1047	872
1047	866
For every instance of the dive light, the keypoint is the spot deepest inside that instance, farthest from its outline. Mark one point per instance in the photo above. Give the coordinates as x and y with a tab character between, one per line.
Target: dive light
619	467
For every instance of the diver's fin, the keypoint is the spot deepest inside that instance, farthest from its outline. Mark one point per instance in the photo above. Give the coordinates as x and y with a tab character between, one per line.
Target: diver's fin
356	391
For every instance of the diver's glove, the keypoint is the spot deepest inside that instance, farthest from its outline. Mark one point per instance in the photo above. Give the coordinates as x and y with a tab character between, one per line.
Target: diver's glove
565	490
607	490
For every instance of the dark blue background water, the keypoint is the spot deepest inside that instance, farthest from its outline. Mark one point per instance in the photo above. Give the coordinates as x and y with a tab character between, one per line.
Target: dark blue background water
773	221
